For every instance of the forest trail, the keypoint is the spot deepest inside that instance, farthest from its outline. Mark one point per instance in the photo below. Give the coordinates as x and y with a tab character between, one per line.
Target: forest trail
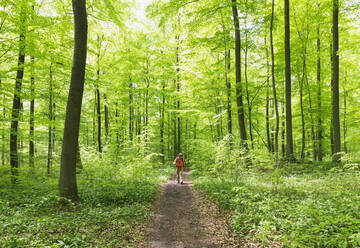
185	218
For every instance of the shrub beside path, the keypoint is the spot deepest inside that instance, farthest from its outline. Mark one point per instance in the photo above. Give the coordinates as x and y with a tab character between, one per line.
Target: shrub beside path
183	217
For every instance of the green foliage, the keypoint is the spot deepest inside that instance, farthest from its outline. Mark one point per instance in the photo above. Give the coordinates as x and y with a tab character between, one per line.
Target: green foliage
114	200
309	207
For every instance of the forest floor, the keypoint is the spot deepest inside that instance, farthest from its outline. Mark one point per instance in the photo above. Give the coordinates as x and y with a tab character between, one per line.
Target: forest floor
183	217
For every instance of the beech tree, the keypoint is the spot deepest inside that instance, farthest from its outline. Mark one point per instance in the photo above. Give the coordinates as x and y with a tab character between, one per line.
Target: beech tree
239	101
15	113
67	180
335	83
289	130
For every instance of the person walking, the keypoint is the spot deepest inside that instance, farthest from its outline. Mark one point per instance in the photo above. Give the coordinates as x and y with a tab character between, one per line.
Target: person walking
179	162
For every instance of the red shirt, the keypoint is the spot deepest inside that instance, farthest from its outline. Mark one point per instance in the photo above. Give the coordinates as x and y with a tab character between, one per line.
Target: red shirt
179	162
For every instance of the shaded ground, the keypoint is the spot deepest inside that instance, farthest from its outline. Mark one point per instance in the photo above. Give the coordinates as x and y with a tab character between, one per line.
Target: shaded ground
185	218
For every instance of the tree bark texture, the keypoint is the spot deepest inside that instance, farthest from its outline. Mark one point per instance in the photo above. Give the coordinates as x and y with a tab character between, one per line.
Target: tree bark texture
276	145
289	135
239	100
319	120
335	83
67	181
15	113
32	112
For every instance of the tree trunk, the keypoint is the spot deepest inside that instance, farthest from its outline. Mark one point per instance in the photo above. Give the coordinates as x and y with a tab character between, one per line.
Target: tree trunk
227	81
14	157
319	121
344	121
98	113
195	125
276	145
332	138
54	126
67	181
289	135
162	123
283	127
147	95
335	83
32	109
98	106
247	90
175	146
131	111
49	158
301	86
228	93
117	123
311	119
178	91
94	119
106	116
239	100
3	130
267	119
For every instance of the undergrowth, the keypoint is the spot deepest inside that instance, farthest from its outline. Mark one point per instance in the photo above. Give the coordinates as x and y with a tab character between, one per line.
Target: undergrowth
299	205
115	198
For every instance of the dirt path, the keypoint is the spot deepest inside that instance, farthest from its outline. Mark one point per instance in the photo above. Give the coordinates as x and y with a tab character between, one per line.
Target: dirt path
185	218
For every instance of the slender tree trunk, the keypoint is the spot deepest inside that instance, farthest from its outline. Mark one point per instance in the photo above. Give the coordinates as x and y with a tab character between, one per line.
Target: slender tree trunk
289	135
117	123
169	151
94	119
138	118
187	138
311	117
332	138
162	123
335	83
228	93
247	91
175	136
344	121
98	107
301	87
14	157
272	128
3	130
106	116
178	91
283	127
50	150
239	100
67	181
319	121
98	113
32	110
227	65
54	126
276	146
195	126
267	119
131	111
147	95
246	77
